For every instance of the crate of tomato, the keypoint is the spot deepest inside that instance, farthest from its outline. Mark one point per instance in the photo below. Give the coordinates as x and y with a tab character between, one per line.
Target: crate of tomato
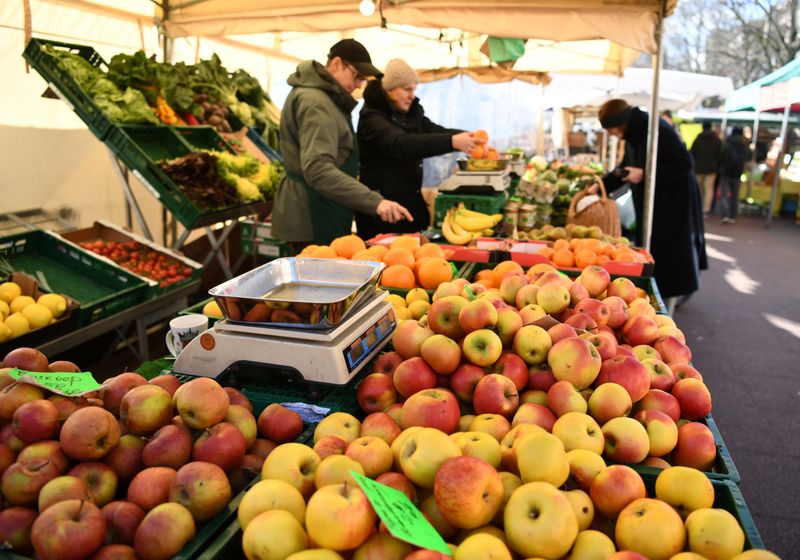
164	269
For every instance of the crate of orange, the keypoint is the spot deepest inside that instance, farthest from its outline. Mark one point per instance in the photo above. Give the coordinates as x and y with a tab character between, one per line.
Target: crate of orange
410	261
451	252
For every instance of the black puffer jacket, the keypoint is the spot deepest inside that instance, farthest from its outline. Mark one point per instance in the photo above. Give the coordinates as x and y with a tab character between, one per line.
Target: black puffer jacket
392	146
735	153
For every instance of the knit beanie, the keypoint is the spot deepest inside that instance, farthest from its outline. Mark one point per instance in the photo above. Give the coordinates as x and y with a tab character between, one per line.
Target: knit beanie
398	74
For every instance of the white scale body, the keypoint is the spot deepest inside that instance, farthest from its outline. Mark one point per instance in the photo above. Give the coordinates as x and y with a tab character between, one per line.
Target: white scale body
488	181
332	356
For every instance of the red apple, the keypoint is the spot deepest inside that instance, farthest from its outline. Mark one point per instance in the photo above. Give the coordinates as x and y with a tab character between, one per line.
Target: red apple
617	311
330	445
581	321
65	406
21	483
202	488
575	360
262	447
376	391
89	433
495	394
63	366
380	425
443	317
35	421
398	481
682	371
164	531
115	552
100	478
169	383
15	529
442	353
541	378
222	444
432	408
659	400
409	336
696	447
413	375
563	398
387	362
63	488
241	417
628	372
25	358
464	379
622	288
640	329
7	457
577	293
513	367
171	446
145	409
661	376
468	492
672	350
50	450
626	440
477	314
15	395
151	487
693	397
235	396
661	430
531	313
113	389
201	403
278	423
560	332
595	279
614	488
67	530
532	413
122	520
595	309
526	295
508	323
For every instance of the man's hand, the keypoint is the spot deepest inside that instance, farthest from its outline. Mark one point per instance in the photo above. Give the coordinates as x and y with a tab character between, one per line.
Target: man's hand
635	175
465	142
392	212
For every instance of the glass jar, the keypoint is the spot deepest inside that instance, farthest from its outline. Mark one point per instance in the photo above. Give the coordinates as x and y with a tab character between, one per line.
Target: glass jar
526	217
511	213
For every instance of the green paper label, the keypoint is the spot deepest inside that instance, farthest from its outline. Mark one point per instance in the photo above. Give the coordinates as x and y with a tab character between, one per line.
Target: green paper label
402	518
63	383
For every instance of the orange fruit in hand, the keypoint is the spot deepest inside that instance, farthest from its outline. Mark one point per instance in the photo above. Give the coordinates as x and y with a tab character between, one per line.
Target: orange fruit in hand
477	152
398	276
348	245
410	242
399	256
564	258
491	153
433	272
481	135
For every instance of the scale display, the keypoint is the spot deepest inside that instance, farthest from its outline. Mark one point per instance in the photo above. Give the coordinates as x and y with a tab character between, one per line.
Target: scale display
362	346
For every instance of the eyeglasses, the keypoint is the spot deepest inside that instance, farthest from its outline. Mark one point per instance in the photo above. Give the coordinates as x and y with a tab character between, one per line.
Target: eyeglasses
356	76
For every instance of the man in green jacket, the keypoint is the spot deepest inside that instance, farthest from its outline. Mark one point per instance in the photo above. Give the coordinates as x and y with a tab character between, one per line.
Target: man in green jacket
317	197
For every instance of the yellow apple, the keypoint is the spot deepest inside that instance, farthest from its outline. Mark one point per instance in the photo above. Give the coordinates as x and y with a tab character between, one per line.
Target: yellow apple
423	452
294	463
268	495
579	431
691	556
397	444
464	422
493	424
315	554
582	506
479	445
584	465
335	469
486	529
482	546
508	450
714	533
383	547
685	489
372	453
339	517
510	483
468	492
592	545
541	457
651	528
756	554
340	424
273	535
539	521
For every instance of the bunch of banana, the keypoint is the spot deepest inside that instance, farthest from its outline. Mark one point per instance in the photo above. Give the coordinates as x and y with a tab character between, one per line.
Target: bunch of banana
461	225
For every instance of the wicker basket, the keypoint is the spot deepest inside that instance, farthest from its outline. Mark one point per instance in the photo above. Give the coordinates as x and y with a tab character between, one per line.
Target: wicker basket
603	213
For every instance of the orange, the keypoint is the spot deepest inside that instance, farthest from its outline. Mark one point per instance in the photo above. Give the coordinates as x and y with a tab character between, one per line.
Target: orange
433	272
481	135
419	263
504	268
477	152
324	252
348	245
574	243
429	250
625	255
491	153
546	252
399	256
379	251
397	276
594	245
365	255
561	244
308	249
448	253
489	283
541	268
640	293
564	258
603	259
485	274
410	242
608	250
585	257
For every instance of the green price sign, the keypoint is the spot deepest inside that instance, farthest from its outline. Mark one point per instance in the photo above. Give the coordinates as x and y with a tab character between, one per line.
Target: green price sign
63	383
402	518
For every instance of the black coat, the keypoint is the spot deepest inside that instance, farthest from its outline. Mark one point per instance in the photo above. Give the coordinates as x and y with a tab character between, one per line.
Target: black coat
677	242
392	146
705	150
735	154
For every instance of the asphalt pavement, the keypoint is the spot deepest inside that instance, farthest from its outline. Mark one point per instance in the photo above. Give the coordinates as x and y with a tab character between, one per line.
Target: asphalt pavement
743	327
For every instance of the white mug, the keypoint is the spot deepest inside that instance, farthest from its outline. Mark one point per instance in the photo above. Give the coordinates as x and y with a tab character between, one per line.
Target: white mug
182	330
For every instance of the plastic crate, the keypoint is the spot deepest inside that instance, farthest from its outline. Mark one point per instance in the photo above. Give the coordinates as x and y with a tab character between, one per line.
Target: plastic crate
140	147
203	137
486	203
268	249
65	86
101	288
107	231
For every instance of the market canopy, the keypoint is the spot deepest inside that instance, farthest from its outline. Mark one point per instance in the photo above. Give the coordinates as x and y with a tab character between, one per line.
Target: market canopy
777	96
746	98
629	23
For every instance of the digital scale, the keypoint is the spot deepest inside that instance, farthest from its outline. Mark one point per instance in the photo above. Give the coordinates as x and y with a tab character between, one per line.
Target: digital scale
328	356
517	167
477	182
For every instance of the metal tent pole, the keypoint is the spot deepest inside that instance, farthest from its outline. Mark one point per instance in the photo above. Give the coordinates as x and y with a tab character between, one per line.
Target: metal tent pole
652	140
753	160
779	161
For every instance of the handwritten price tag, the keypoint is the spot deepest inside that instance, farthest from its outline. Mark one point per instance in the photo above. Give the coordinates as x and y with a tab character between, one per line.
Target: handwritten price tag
402	518
62	383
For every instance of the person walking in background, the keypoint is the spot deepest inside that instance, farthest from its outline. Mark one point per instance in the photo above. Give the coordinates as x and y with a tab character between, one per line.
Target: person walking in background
735	154
706	150
678	241
394	136
317	197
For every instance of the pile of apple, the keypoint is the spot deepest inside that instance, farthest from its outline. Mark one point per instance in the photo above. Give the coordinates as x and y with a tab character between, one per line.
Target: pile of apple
488	499
128	471
613	377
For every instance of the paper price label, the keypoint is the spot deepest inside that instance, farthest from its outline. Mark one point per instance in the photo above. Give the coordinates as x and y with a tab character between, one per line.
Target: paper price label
63	383
402	518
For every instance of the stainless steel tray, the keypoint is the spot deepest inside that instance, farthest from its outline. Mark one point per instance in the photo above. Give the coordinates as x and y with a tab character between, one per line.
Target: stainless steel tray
483	165
298	292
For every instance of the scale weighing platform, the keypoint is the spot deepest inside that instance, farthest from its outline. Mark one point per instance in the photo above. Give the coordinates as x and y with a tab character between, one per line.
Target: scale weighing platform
330	356
477	182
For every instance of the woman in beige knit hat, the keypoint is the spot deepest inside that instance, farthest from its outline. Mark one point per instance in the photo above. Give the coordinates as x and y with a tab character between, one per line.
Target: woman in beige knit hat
394	136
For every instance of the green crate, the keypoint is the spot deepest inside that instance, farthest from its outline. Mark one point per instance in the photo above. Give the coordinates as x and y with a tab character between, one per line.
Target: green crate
252	229
102	289
197	309
486	203
63	84
266	248
203	137
140	147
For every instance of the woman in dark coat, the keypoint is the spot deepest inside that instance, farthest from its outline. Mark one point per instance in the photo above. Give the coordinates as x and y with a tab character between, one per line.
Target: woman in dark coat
677	242
394	136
